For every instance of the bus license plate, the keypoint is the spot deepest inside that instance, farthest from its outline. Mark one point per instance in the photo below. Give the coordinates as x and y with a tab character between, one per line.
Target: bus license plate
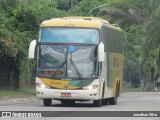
66	94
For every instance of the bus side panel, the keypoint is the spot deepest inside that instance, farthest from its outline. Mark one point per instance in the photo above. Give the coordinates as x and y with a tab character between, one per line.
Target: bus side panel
106	78
113	42
117	73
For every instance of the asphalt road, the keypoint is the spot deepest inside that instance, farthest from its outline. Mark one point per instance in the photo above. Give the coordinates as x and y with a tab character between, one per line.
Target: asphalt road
142	101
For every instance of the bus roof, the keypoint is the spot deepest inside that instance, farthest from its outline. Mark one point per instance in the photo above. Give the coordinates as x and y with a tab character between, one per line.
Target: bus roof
90	22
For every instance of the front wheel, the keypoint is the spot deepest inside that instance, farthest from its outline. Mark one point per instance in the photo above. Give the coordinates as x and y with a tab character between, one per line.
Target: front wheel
97	103
47	102
113	101
105	102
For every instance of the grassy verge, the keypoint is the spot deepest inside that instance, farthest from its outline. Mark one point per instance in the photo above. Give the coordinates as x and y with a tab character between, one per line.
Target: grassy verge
14	93
155	89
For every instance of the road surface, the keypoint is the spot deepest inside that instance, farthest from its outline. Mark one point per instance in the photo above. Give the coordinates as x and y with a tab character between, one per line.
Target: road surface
129	101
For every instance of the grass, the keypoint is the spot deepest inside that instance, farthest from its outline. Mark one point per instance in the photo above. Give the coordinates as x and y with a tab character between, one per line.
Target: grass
155	89
14	93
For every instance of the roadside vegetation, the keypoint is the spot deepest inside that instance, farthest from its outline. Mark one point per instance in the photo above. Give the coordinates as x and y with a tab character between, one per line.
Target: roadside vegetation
22	92
20	20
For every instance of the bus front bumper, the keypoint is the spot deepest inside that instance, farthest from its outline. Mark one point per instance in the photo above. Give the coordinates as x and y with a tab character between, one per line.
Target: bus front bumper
44	93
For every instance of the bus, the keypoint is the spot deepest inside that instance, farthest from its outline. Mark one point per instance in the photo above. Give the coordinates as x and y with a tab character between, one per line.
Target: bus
78	59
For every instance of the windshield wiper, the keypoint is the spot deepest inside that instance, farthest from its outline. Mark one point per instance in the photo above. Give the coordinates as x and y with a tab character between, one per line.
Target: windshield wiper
61	65
77	71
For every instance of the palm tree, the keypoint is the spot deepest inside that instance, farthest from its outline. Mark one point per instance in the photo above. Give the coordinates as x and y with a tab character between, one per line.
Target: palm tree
140	12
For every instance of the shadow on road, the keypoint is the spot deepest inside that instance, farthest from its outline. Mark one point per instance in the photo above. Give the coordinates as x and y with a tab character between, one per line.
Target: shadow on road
75	105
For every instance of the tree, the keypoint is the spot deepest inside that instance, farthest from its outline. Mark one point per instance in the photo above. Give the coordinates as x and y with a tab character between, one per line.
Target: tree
19	25
152	43
85	6
126	13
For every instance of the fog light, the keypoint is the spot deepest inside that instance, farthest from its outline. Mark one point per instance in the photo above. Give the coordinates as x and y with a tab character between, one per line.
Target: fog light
95	94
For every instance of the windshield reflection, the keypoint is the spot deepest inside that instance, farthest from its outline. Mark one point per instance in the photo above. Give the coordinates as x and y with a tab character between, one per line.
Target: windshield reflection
69	35
83	58
74	61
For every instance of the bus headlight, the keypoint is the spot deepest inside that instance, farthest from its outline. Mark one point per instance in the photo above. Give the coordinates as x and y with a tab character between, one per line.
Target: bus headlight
90	87
41	85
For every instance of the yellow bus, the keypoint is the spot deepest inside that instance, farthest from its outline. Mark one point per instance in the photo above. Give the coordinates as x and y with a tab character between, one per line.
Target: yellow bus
78	59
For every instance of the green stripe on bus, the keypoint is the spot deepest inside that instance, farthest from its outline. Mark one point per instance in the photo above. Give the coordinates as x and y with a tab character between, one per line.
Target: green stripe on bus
109	70
80	83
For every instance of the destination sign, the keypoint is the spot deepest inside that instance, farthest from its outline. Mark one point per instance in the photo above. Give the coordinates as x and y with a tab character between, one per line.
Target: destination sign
52	72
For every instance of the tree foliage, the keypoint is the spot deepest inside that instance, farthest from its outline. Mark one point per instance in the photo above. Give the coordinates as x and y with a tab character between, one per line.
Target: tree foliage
20	22
84	6
140	21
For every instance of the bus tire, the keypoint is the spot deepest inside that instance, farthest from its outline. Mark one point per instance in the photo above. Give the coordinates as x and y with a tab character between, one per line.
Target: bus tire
113	100
98	103
105	101
47	102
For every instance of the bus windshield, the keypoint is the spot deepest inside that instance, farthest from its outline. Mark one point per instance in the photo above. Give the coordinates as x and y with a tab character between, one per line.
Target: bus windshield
69	35
67	61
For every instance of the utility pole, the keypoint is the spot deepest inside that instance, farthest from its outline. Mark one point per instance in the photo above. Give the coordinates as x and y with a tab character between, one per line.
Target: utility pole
72	4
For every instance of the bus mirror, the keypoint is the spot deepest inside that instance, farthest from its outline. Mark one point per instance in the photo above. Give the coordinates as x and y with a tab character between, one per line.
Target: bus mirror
101	52
32	47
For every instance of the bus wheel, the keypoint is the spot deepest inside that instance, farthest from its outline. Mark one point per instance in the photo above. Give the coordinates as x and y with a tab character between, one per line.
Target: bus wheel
97	103
113	101
47	102
105	102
